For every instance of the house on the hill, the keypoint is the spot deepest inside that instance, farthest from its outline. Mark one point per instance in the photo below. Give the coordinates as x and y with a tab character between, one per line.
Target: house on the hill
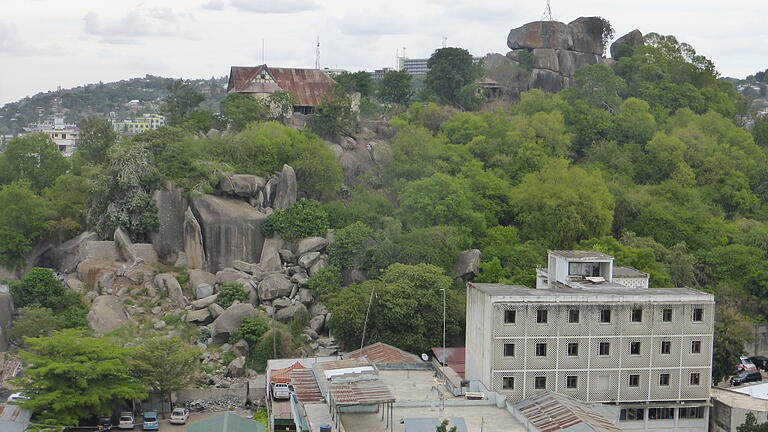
310	86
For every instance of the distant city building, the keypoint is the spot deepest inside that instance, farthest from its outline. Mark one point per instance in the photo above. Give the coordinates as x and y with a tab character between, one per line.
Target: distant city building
139	125
378	74
418	66
335	72
62	134
596	332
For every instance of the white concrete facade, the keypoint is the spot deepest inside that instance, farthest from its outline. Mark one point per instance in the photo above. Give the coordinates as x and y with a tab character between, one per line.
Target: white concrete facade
647	350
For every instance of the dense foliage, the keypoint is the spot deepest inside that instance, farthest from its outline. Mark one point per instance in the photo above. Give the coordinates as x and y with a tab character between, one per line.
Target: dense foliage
230	292
304	218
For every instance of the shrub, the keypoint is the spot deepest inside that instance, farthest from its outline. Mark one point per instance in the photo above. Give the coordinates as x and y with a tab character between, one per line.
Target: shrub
39	287
326	283
299	321
230	292
251	330
302	219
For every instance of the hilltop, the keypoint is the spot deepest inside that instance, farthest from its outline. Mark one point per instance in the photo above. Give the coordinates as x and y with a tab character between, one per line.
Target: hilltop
101	99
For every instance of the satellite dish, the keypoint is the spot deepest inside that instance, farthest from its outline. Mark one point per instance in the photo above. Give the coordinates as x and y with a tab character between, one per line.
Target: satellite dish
424	357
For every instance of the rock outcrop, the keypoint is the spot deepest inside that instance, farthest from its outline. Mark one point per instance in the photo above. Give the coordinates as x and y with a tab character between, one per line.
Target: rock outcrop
68	255
287	189
107	314
468	264
241	185
626	44
6	315
230	320
231	230
553	51
193	241
125	246
169	239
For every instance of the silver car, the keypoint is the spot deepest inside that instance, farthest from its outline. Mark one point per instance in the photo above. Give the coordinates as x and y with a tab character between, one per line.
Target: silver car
179	416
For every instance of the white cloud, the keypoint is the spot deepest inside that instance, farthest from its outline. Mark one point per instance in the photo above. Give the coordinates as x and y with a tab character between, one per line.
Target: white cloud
376	23
215	5
275	6
136	24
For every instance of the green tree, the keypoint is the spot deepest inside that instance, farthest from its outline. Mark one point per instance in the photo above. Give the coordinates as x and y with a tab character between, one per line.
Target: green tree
334	117
450	70
563	204
68	197
281	104
229	292
96	137
599	86
395	88
203	120
350	248
182	99
70	376
326	282
34	158
239	109
361	82
251	330
166	365
39	288
441	200
33	322
122	195
759	131
731	333
304	218
750	425
443	427
407	309
22	218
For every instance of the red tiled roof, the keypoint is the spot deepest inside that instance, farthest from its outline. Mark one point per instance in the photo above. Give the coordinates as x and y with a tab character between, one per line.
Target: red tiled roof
551	412
454	358
383	353
310	86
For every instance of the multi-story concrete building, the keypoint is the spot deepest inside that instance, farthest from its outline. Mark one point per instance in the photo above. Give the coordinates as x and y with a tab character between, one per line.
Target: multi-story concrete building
139	125
583	334
63	135
418	66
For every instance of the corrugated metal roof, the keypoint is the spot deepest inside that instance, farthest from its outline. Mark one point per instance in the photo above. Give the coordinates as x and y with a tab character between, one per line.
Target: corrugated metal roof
305	386
551	412
310	86
13	418
453	358
284	375
226	422
383	353
366	392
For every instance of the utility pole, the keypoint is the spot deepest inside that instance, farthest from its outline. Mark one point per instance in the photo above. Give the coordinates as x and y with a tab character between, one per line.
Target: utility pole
365	324
317	54
442	393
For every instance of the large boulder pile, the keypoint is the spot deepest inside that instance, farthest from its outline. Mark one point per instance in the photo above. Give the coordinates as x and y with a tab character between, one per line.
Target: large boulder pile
553	51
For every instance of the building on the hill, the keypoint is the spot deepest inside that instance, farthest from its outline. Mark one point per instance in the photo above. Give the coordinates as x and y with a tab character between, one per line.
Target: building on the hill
583	334
379	74
310	86
64	135
418	66
139	125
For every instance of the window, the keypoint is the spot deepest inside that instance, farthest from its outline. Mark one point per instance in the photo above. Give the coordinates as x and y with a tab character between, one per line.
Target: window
571	381
573	349
541	350
509	350
584	269
695	378
573	316
634	380
666	315
698	314
637	315
605	349
695	347
508	383
664	380
666	347
541	316
691	413
632	414
605	315
634	348
661	413
540	383
509	316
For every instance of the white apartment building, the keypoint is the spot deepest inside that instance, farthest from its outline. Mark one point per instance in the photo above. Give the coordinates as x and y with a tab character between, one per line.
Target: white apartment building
418	66
583	334
64	135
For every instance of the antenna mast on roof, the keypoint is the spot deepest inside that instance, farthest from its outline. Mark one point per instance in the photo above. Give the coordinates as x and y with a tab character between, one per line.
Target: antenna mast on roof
548	12
317	54
445	41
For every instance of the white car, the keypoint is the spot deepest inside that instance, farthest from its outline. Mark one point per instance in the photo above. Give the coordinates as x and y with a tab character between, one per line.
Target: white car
179	416
280	391
17	397
126	420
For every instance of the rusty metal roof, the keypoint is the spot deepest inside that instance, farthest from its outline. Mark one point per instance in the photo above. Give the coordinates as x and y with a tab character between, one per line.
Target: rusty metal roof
453	358
342	364
13	418
383	353
551	412
364	392
305	385
284	375
310	86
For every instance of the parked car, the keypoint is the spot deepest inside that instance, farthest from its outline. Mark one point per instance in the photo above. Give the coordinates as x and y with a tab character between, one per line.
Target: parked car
760	361
105	424
745	364
744	377
280	391
151	421
126	420
179	415
17	397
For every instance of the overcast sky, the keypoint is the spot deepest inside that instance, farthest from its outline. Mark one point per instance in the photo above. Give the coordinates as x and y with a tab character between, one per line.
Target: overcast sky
50	43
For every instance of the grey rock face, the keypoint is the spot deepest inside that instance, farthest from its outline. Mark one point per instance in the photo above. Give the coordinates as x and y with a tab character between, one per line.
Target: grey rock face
286	189
215	310
167	283
241	348
311	244
199	317
193	241
309	259
229	275
586	35
626	43
270	254
305	296
68	255
540	34
203	290
285	314
274	286
317	266
236	368
317	323
124	245
230	320
231	230
169	239
6	316
107	314
468	264
281	303
205	302
241	185
197	277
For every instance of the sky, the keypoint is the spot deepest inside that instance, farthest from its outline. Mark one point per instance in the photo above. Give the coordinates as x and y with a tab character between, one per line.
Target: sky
49	43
